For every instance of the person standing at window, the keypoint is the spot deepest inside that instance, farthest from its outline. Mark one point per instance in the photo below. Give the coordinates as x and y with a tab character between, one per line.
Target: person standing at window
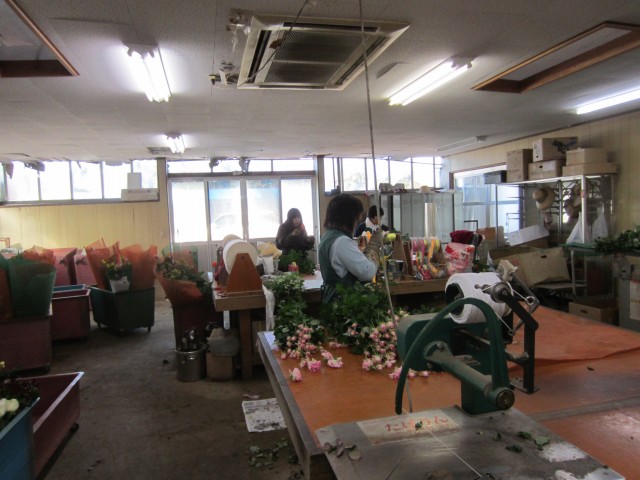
341	261
292	234
371	223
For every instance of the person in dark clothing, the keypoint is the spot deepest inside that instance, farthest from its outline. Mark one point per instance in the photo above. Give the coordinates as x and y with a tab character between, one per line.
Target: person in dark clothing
292	234
371	223
341	261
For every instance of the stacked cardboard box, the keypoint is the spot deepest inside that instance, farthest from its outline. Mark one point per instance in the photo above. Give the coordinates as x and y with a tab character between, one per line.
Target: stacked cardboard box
518	164
549	156
588	161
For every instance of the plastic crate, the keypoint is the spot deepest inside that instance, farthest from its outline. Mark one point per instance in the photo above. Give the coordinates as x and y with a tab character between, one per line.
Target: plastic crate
16	448
123	310
55	415
71	312
25	343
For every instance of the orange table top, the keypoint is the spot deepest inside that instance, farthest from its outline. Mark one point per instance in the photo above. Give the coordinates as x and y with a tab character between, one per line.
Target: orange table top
600	388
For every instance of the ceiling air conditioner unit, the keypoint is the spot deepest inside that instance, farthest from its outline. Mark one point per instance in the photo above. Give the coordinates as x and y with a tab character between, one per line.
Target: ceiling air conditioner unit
312	53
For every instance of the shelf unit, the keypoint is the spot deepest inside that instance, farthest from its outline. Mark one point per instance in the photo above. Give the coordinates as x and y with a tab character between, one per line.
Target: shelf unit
596	191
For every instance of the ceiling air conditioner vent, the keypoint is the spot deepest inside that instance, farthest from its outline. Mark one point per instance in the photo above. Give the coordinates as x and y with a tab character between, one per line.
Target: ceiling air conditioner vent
313	53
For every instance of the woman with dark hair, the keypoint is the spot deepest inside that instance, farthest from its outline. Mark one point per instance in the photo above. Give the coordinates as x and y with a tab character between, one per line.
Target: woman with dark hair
292	234
341	261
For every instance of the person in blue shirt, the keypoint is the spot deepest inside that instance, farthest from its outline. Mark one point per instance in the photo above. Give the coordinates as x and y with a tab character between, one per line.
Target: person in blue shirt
371	223
341	261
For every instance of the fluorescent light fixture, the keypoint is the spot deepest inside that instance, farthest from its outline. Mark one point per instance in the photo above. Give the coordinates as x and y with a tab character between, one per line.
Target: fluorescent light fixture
176	143
462	143
609	102
443	73
147	68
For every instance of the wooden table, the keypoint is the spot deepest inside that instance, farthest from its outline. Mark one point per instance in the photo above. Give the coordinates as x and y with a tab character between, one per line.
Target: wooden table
244	303
594	404
241	303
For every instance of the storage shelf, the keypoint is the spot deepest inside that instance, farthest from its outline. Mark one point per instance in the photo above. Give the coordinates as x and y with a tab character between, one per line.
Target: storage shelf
557	179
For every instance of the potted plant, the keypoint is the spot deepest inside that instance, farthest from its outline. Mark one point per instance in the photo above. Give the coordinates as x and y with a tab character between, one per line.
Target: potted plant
118	271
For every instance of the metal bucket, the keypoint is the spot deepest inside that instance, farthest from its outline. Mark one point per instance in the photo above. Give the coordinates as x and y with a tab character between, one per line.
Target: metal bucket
192	366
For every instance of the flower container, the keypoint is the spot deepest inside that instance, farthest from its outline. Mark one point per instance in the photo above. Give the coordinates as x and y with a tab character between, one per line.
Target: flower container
55	415
16	448
120	285
65	266
194	315
25	343
192	365
71	307
123	310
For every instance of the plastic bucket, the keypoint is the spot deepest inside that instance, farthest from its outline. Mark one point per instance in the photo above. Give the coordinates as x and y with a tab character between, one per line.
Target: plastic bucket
192	366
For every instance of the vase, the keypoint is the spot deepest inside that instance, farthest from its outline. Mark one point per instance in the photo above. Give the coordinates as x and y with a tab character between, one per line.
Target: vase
120	285
16	448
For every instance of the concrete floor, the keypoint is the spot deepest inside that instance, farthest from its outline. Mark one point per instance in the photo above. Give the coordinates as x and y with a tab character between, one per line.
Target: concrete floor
138	421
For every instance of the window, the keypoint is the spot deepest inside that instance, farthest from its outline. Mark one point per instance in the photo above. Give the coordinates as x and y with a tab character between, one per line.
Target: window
350	175
22	185
188	211
491	205
294	165
225	205
263	208
55	181
64	181
251	208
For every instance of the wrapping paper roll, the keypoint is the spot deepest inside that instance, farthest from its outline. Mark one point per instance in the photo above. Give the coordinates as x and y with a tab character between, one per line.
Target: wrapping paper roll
465	284
229	238
234	247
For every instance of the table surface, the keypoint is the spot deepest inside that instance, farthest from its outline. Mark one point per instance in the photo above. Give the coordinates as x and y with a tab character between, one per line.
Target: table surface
594	403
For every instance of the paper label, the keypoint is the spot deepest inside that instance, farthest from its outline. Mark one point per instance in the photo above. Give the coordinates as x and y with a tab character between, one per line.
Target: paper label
381	430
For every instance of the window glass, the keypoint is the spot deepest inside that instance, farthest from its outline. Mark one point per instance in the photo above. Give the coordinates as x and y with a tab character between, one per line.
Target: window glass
382	173
331	178
115	178
260	166
22	186
426	172
149	170
55	181
228	166
189	212
298	193
263	208
400	172
225	207
353	174
87	181
293	165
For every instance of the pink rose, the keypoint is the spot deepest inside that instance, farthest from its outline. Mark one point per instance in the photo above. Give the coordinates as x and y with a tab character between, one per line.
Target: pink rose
295	375
314	365
335	362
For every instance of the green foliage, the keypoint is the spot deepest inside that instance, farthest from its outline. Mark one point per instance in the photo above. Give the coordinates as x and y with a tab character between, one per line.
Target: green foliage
305	265
365	305
285	287
173	269
628	240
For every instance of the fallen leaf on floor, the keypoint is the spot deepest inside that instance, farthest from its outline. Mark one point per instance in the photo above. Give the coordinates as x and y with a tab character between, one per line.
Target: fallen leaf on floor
251	396
165	362
590	368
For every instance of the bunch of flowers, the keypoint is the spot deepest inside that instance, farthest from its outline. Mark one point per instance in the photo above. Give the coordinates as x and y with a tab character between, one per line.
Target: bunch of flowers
362	321
14	396
117	267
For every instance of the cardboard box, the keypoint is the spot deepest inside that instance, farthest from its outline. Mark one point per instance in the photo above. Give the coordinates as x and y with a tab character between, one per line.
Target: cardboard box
590	169
540	266
547	169
552	148
527	234
600	309
491	178
586	155
518	164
